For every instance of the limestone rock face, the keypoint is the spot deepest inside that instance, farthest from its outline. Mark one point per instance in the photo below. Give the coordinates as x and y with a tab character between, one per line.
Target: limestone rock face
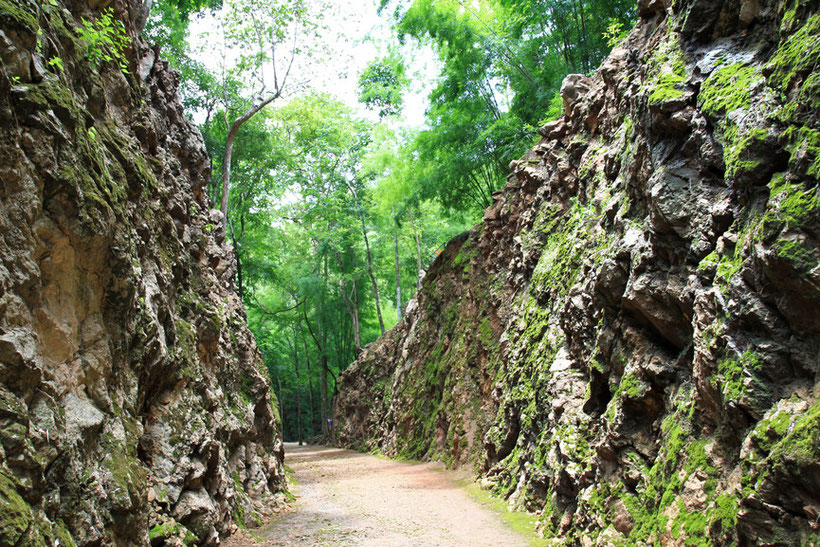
629	344
134	406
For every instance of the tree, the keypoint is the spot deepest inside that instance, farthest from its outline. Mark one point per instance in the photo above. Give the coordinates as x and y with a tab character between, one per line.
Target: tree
258	30
502	64
381	85
257	164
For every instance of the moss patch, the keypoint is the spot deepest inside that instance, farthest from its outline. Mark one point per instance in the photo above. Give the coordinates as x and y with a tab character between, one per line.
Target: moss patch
797	55
667	88
16	515
804	145
172	529
737	374
728	88
570	241
667	70
790	203
657	507
15	14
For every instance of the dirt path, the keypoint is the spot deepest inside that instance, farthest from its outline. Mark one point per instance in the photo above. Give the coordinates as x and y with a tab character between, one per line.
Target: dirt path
347	498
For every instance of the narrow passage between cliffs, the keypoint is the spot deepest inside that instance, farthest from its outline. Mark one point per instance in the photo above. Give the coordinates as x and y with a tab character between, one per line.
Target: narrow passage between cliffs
347	498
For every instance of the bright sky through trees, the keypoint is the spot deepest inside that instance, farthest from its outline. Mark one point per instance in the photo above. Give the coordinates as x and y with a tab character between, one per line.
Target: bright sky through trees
355	35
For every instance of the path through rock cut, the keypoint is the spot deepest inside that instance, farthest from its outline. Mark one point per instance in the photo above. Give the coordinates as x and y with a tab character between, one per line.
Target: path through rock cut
347	498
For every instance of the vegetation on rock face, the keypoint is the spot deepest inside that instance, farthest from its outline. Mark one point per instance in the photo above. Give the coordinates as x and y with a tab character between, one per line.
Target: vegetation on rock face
124	344
650	280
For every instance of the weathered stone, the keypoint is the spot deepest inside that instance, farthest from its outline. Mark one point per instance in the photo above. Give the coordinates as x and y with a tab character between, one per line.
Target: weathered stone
116	297
629	345
573	88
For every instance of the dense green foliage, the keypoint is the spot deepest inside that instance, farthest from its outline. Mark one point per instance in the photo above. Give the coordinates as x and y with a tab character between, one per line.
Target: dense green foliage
303	174
334	218
503	63
381	85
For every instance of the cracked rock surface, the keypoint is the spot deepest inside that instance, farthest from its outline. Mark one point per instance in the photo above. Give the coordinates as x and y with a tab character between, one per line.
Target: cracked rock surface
134	405
629	344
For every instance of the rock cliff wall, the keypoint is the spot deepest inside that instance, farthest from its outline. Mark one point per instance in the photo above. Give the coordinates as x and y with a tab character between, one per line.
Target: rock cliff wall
629	344
134	406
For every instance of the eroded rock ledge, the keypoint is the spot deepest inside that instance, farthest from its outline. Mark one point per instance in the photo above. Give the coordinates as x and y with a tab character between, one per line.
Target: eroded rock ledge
134	406
629	344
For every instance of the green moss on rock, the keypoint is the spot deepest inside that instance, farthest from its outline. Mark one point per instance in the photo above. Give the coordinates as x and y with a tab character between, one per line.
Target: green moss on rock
668	71
728	88
747	156
737	374
16	515
804	145
658	508
169	530
787	444
571	240
15	14
666	88
796	253
791	203
797	55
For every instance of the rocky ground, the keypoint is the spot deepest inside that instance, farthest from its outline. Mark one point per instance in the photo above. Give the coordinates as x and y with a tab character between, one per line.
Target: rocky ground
348	498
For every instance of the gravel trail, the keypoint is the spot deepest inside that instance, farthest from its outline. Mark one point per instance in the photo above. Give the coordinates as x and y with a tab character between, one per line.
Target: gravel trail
347	498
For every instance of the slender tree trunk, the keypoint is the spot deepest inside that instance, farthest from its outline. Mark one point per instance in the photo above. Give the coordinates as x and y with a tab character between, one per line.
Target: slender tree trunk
323	384
370	272
299	434
310	376
324	368
233	130
369	257
585	50
226	170
311	404
352	305
418	250
398	268
354	317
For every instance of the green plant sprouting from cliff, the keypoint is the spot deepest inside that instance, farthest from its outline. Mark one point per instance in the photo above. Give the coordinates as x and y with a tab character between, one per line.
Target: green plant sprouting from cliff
105	39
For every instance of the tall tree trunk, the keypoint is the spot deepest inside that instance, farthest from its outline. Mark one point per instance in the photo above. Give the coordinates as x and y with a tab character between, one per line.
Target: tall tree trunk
233	130
584	41
325	403
418	250
369	256
398	268
354	317
311	404
352	304
322	372
299	433
310	379
370	272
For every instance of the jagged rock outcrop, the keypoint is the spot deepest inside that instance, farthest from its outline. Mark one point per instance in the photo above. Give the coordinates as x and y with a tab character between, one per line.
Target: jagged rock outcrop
629	344
134	406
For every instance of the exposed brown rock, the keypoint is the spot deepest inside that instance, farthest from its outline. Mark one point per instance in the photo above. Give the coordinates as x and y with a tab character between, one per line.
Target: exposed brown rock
629	344
132	395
